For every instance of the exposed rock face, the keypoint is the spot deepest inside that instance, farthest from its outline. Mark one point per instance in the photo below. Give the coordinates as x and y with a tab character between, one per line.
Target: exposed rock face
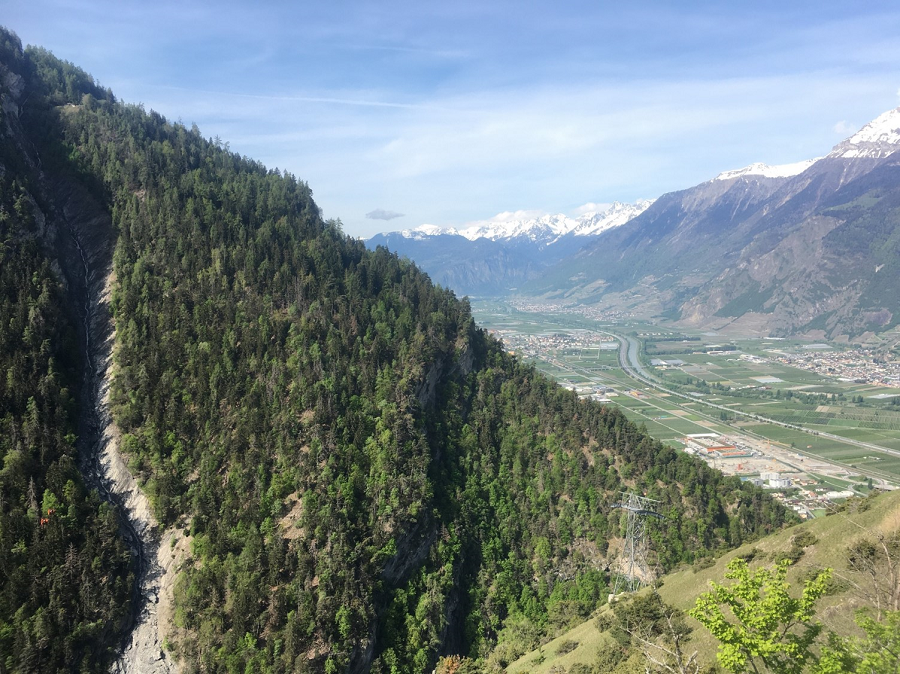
84	236
145	651
412	551
12	85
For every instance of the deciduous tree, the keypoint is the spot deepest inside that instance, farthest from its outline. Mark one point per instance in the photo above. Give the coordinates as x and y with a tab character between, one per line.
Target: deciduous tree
757	621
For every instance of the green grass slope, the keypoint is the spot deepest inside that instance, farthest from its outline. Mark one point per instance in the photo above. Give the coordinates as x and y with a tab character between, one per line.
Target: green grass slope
834	534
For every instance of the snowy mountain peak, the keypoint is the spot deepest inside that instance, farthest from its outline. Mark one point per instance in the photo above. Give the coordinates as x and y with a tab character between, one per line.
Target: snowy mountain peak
424	231
760	169
594	223
513	225
878	138
538	228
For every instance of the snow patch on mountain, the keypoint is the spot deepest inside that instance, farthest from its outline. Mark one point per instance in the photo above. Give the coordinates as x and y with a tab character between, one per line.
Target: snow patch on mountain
425	231
877	139
615	215
543	228
767	171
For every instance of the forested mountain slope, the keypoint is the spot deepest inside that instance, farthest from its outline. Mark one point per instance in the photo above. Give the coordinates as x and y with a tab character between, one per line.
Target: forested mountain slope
368	480
65	576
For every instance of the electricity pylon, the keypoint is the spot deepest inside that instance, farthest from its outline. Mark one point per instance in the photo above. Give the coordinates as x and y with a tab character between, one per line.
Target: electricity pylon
638	508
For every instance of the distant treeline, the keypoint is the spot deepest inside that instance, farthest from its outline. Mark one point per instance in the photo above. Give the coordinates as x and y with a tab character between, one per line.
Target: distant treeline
653	349
677	338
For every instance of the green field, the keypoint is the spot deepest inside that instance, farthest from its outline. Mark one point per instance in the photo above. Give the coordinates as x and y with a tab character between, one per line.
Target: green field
559	344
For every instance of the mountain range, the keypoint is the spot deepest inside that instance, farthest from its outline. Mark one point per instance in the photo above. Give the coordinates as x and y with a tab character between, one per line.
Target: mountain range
497	256
808	248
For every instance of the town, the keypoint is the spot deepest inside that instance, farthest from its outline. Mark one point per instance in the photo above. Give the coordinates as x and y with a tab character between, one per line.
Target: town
791	468
850	365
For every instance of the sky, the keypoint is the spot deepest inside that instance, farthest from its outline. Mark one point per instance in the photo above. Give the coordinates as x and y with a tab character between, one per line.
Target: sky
399	114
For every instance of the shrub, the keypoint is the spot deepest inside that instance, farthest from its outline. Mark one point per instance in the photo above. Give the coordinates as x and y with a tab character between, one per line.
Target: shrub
703	563
604	622
566	646
804	539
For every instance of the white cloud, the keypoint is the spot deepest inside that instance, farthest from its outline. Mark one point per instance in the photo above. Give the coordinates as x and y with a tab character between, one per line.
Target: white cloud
505	217
591	207
845	128
513	216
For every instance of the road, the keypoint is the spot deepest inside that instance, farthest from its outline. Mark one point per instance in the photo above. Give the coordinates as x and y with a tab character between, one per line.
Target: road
629	359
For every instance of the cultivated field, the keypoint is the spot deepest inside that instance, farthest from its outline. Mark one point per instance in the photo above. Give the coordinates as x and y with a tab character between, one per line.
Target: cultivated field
741	376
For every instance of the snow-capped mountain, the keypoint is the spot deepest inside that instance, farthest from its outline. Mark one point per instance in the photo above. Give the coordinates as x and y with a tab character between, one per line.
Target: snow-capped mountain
766	171
545	229
811	247
497	255
592	224
877	139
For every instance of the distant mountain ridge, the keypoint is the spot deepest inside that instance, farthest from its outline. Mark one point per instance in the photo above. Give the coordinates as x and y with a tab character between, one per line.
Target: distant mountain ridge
544	228
815	252
496	256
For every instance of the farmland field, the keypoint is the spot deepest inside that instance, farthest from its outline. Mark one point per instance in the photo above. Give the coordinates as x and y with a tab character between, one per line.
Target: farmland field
726	377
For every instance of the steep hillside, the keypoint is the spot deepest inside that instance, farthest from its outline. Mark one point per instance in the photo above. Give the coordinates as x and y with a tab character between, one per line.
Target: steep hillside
827	542
811	253
65	578
689	233
365	478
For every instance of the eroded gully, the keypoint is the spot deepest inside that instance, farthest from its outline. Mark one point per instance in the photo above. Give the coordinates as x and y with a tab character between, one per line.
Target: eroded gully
86	259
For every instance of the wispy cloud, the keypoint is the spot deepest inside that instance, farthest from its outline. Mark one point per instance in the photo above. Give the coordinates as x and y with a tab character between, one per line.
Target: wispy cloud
590	207
845	128
294	98
381	214
418	51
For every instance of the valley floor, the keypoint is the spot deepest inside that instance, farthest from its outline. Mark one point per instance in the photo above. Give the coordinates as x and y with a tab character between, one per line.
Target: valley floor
765	410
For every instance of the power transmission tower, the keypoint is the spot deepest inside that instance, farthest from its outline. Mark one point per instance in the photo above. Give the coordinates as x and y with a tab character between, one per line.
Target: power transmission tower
639	508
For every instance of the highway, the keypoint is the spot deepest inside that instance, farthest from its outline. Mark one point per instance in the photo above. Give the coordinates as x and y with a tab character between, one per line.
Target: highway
629	360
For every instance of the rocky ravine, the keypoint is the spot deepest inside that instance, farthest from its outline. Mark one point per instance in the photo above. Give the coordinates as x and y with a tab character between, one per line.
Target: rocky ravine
84	243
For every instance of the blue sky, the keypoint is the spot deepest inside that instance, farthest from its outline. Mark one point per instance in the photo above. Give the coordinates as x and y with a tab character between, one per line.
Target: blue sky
456	111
